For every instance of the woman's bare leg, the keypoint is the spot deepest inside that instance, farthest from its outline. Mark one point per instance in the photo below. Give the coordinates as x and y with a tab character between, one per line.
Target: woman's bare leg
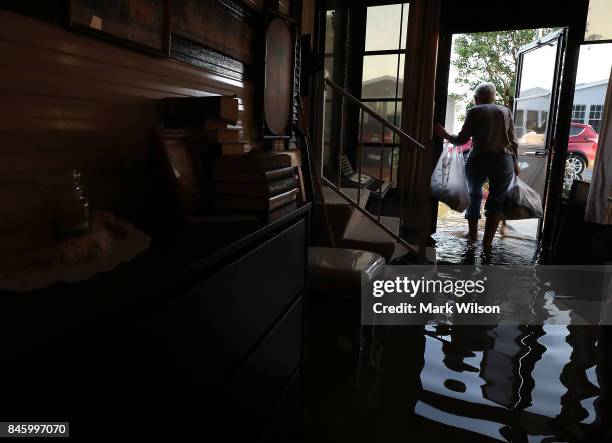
473	229
490	229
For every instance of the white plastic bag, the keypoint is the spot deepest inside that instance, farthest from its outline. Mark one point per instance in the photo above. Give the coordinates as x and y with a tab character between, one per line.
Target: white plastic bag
448	183
520	201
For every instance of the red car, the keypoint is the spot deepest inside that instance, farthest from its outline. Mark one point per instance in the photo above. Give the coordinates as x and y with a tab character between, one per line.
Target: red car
581	148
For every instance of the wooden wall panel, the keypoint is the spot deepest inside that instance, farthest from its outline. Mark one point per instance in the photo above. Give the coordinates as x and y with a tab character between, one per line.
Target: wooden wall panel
71	101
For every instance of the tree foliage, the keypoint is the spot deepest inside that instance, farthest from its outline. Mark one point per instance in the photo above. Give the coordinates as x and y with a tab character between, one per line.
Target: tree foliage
493	57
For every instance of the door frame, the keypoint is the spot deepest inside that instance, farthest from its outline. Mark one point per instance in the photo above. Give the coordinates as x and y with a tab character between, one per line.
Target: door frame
569	66
551	126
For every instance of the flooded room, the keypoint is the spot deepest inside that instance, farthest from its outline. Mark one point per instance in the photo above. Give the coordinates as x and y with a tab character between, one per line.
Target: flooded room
306	221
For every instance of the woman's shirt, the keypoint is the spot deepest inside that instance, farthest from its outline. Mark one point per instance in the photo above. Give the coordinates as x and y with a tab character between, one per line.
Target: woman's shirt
491	128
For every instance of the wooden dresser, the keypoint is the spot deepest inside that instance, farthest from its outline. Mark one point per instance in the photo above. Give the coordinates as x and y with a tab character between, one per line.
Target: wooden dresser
200	336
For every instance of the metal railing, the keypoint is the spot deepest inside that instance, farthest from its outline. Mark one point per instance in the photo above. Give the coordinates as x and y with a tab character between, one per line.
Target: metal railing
408	143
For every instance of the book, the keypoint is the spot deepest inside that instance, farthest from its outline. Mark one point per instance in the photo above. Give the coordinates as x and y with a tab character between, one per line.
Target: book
269	189
216	123
201	124
253	161
252	203
182	167
233	148
217	149
220	107
222	218
252	176
223	136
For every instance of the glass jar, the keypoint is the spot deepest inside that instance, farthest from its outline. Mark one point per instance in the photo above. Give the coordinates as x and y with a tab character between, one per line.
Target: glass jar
67	208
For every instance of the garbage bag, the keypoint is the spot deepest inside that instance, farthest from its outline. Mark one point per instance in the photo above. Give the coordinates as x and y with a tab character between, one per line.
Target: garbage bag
448	182
520	201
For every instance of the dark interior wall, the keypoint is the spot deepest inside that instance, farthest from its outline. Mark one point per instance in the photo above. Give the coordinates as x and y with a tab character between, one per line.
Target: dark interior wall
69	100
486	15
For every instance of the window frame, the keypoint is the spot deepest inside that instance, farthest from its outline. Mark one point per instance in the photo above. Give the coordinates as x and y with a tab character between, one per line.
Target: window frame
582	129
399	52
593	113
582	111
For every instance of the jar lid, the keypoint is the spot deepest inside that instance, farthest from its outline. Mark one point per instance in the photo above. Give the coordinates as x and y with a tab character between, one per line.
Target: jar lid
60	179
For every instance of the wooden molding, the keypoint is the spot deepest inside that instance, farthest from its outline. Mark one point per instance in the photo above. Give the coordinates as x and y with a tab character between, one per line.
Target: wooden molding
197	55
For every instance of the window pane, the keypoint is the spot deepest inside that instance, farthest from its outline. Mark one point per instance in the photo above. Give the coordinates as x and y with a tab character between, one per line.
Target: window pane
578	113
372	128
518	118
370	162
575	130
329	66
330	23
383	27
404	26
534	97
536	78
589	97
598	20
380	76
595	115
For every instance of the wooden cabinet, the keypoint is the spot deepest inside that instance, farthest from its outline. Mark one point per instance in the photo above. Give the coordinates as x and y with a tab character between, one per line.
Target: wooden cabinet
218	353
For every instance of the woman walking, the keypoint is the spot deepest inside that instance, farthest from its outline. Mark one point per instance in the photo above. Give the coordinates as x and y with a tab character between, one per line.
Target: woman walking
494	156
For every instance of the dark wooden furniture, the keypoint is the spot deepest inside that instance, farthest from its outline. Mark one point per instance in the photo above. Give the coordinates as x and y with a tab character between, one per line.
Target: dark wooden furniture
200	336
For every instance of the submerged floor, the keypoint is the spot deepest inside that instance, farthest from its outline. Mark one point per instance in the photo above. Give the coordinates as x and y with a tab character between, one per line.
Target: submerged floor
456	383
510	247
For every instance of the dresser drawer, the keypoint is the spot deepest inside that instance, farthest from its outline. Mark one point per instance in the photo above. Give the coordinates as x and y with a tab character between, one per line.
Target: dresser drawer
211	328
250	398
285	423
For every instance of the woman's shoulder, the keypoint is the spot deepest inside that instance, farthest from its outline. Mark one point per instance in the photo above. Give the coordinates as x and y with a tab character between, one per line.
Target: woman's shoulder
503	109
494	108
489	108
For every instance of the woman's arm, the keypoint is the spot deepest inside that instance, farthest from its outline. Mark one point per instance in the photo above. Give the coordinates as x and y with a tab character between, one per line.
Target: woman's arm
440	131
460	139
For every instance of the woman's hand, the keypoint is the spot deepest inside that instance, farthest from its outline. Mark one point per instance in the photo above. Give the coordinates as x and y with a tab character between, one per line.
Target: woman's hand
517	169
439	131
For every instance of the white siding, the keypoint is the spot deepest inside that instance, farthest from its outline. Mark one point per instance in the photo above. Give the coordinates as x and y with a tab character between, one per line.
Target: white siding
594	95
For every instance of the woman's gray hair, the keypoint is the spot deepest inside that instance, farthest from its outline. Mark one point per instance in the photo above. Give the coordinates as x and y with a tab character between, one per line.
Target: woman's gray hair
485	92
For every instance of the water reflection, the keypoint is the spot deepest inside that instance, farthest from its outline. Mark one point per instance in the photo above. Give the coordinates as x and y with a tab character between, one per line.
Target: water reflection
536	381
495	383
512	383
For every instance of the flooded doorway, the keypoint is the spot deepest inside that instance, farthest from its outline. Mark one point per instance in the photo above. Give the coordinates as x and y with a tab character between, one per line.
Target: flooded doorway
525	67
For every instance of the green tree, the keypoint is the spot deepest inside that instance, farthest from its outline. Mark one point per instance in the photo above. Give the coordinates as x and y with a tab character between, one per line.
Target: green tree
493	57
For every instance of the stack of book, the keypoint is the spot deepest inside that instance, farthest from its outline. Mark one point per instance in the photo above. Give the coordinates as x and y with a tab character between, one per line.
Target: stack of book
213	121
258	182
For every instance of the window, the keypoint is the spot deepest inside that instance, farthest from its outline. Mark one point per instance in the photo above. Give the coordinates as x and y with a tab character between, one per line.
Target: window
382	80
591	84
330	25
578	113
576	130
595	115
532	121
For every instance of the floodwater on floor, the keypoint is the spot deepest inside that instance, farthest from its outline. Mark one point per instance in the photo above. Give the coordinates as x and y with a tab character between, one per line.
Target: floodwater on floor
514	242
509	383
462	384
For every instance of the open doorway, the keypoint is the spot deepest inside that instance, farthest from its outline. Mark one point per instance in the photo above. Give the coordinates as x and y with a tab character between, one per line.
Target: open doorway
525	67
527	76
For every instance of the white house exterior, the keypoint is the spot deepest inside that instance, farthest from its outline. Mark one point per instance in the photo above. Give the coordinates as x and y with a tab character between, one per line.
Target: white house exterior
532	108
589	101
